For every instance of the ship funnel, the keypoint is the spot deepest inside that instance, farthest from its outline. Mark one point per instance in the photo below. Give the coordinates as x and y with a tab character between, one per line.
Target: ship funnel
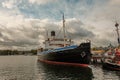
53	33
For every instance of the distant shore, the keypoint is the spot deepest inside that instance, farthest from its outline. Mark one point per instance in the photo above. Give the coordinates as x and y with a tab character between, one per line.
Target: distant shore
16	52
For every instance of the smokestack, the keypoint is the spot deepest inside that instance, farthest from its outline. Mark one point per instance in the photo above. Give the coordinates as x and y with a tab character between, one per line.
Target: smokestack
52	33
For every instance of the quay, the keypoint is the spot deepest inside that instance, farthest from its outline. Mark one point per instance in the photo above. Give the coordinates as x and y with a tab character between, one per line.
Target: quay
97	56
96	59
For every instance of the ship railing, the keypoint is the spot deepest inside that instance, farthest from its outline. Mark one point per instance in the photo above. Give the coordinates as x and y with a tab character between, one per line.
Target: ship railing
60	49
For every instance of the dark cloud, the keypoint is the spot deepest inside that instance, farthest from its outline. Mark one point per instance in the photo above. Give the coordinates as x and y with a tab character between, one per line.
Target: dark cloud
19	37
34	33
77	29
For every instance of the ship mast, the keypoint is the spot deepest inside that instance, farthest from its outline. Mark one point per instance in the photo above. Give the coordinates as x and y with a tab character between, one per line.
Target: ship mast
64	30
46	34
117	30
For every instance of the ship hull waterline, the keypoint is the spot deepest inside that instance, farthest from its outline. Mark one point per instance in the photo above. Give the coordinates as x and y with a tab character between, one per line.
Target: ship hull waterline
64	63
111	66
79	55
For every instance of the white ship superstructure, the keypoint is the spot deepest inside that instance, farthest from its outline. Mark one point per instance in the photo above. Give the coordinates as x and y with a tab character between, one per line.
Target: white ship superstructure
53	42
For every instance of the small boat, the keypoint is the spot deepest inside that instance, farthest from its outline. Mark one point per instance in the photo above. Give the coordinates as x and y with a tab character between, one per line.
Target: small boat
111	59
62	50
111	66
112	62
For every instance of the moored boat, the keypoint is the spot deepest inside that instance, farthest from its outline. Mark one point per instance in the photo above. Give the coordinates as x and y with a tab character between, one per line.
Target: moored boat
62	50
111	59
111	66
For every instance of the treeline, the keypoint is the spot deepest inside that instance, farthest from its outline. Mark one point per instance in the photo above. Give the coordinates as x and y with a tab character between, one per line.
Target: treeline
16	52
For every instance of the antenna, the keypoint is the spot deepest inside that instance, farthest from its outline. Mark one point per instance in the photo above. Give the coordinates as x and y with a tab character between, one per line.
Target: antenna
117	30
64	30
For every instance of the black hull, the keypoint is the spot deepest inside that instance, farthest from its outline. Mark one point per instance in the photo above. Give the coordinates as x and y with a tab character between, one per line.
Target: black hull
111	66
81	54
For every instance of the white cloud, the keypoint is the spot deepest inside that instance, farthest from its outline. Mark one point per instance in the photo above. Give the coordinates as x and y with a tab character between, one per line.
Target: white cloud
95	22
115	2
9	19
9	4
41	1
18	32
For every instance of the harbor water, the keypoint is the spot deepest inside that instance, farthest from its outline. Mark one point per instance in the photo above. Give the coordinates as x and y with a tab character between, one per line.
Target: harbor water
28	68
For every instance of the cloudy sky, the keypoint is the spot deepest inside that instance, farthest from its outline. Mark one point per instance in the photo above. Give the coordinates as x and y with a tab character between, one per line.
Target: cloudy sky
23	23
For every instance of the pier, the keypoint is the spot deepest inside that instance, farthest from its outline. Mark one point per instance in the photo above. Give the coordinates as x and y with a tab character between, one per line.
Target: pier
97	56
96	59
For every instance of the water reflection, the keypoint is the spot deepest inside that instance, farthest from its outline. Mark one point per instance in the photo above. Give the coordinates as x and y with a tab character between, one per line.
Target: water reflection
27	68
58	72
111	75
118	74
17	68
103	74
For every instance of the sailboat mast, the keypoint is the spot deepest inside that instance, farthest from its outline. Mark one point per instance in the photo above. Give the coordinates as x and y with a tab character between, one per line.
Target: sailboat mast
64	30
117	30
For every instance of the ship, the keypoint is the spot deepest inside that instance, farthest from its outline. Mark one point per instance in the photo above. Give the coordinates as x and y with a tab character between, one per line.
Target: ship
63	51
111	59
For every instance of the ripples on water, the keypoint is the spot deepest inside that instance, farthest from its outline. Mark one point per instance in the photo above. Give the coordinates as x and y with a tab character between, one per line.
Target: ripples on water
27	68
64	72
